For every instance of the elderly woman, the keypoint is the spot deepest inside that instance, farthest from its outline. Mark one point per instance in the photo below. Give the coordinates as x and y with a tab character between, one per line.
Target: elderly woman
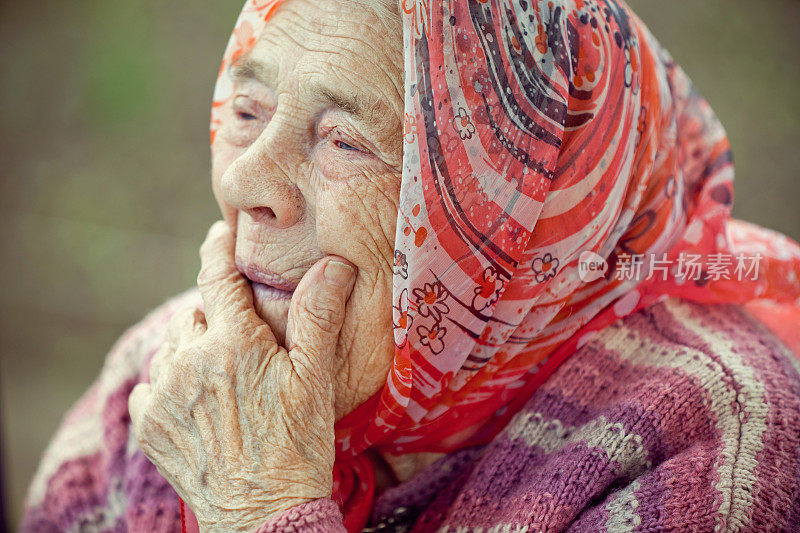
476	273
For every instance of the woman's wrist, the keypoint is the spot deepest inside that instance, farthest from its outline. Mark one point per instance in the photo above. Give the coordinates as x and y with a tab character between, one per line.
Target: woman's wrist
275	511
319	515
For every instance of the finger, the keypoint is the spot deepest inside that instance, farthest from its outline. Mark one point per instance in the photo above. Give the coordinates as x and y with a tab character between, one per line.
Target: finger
186	326
138	401
157	441
316	314
160	361
226	293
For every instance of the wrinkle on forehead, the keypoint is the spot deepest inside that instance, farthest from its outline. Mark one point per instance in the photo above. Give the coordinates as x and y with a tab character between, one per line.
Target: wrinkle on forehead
337	52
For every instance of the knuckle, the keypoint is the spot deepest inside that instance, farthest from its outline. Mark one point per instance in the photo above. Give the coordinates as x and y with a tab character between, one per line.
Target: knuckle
206	251
158	363
222	283
178	320
198	317
183	323
211	273
148	426
207	275
307	373
144	426
214	232
148	434
161	354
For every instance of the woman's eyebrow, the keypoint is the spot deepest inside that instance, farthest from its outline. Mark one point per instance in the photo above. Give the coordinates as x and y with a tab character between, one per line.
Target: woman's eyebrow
253	70
348	104
250	69
356	104
360	104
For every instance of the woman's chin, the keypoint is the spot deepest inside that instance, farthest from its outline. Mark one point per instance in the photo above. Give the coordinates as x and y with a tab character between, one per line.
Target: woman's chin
272	305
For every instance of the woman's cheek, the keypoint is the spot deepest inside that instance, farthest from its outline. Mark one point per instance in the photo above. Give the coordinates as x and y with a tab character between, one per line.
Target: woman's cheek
345	228
365	187
347	225
330	165
366	345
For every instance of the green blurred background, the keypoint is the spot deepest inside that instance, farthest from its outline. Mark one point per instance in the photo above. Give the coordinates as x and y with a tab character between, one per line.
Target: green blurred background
105	184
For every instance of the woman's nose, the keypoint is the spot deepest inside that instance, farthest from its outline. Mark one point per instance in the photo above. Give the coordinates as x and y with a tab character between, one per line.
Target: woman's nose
258	186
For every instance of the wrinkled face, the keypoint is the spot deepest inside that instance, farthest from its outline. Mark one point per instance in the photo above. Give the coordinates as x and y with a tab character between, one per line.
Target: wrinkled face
307	163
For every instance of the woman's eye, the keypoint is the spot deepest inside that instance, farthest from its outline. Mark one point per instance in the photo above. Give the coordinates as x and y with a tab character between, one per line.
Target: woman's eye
247	109
344	146
246	116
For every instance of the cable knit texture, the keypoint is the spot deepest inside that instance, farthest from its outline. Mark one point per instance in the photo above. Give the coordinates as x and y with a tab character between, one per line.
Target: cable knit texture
679	417
319	516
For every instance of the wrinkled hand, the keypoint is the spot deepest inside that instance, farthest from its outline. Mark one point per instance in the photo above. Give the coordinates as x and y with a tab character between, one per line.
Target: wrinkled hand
241	427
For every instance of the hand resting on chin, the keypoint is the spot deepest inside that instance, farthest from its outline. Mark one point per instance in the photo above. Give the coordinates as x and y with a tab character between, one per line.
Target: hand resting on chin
240	426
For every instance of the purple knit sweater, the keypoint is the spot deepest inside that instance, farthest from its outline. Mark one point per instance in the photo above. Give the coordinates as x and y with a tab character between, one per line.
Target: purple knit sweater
680	417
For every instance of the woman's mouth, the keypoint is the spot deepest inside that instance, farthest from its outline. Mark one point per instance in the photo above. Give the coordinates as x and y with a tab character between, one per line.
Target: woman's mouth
267	285
264	293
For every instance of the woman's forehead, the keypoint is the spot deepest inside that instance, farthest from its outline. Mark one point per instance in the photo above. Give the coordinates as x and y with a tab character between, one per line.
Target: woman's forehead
329	33
324	24
339	54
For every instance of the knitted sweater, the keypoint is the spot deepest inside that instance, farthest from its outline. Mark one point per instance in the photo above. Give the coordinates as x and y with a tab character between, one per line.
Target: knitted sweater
679	417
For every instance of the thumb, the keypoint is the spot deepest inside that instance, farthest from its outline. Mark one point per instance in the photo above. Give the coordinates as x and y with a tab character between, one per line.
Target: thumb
316	315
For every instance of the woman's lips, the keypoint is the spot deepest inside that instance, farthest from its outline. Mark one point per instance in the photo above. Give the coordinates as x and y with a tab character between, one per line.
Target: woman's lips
265	293
266	284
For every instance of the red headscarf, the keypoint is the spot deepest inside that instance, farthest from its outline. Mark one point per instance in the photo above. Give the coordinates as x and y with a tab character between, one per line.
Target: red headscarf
543	139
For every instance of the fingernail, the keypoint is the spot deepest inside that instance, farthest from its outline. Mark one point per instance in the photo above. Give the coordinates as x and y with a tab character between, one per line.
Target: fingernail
338	273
